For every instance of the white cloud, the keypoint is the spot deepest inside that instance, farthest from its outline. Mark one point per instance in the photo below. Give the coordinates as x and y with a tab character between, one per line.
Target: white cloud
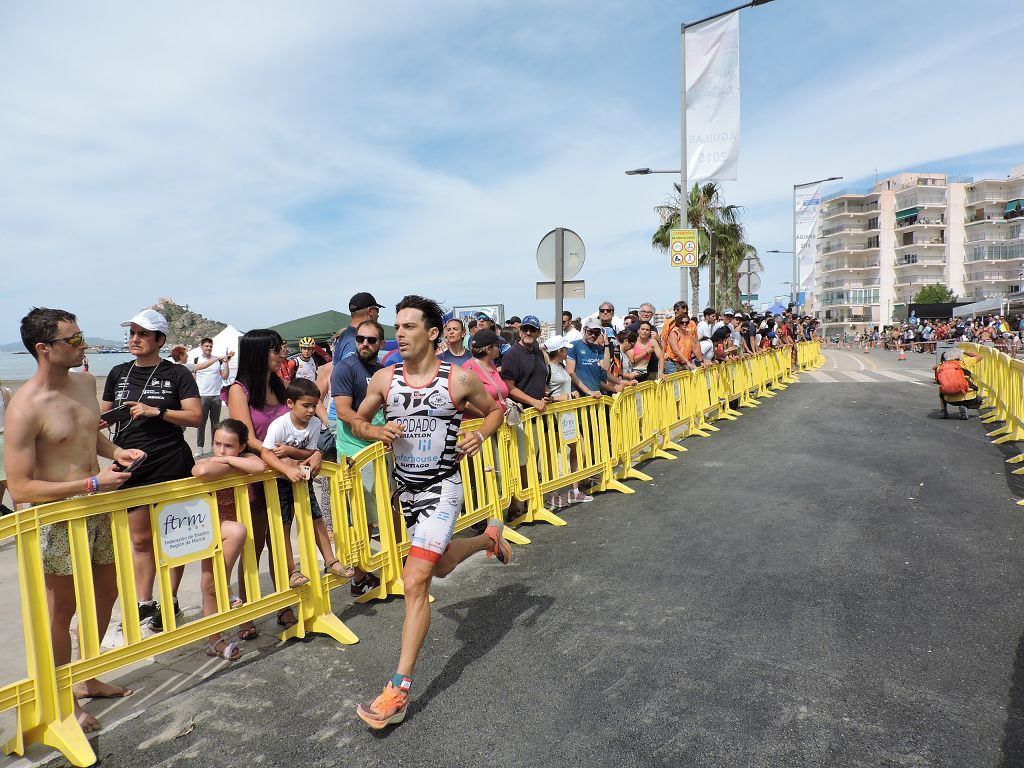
256	161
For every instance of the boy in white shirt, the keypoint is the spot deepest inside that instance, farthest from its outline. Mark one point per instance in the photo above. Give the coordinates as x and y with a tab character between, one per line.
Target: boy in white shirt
290	447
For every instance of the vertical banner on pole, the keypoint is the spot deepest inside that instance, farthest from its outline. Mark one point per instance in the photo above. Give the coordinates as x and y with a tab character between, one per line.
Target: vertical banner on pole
807	206
712	68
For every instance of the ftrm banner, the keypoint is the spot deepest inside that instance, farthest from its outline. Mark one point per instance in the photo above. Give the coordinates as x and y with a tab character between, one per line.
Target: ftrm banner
712	56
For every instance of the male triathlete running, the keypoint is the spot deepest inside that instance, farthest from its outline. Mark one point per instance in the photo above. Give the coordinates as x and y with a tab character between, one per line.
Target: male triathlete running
423	399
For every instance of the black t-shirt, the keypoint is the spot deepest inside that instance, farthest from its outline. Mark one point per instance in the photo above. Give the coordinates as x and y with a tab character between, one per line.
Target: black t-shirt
168	456
526	369
749	332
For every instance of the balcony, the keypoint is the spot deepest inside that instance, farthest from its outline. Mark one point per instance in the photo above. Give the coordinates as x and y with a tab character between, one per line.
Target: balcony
904	281
977	234
920	221
992	277
921	263
920	201
847	246
848	209
987	197
998	252
989	216
838	266
842	228
922	243
866	283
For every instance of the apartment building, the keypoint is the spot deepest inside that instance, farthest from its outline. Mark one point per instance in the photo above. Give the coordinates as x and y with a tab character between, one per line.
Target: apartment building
994	242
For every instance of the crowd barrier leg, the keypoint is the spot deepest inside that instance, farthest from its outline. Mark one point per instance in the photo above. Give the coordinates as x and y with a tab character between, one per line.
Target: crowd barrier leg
391	569
315	613
531	496
51	721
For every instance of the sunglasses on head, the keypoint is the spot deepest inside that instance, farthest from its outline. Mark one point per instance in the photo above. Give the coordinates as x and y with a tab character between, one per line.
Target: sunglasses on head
77	340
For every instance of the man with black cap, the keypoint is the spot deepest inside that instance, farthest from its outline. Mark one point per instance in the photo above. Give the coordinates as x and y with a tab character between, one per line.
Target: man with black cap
362	307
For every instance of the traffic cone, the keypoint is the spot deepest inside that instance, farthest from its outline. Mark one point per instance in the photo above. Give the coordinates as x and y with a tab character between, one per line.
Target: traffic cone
902	356
866	350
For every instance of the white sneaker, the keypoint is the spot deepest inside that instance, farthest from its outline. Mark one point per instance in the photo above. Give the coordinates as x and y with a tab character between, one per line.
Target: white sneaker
576	497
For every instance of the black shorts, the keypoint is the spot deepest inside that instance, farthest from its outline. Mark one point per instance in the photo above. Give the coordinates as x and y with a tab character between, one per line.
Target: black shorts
284	493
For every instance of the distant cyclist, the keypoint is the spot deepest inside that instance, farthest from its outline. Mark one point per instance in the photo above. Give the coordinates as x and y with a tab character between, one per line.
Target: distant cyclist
423	399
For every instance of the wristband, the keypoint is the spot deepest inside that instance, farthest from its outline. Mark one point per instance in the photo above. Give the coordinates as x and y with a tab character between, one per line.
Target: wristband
92	485
161	414
481	436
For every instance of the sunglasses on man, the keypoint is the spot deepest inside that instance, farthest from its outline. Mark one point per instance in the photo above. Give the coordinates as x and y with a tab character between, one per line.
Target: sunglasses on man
78	340
367	339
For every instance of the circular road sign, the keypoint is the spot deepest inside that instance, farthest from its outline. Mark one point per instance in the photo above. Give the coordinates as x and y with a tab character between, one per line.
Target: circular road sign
754	284
574	255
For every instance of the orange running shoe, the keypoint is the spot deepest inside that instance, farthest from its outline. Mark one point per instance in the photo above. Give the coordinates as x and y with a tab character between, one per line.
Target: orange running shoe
387	709
502	549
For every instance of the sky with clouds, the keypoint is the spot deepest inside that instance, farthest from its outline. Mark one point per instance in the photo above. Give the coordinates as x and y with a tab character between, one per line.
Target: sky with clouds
262	161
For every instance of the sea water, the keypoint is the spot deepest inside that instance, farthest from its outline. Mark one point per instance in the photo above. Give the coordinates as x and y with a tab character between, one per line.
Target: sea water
21	367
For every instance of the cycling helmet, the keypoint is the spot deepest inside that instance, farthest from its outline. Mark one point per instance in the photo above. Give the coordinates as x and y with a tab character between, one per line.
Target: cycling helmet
306	341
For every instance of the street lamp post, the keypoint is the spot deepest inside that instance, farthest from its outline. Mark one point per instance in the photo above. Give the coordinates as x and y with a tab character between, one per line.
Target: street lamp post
684	195
796	275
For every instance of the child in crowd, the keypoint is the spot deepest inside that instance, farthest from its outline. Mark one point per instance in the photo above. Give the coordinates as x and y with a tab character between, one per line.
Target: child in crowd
230	457
290	447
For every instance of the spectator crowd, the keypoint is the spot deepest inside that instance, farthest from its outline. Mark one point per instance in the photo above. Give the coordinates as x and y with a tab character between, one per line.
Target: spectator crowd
290	413
1004	332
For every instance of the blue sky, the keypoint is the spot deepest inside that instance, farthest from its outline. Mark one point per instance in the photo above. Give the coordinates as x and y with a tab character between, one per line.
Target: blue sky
262	161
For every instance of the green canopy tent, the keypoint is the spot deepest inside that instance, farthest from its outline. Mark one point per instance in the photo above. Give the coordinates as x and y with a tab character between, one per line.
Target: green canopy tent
321	326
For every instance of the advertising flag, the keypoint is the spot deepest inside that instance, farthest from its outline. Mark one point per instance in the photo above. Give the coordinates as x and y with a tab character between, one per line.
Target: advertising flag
712	52
805	221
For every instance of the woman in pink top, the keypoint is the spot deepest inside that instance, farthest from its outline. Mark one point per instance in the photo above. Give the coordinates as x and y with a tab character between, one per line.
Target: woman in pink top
640	355
257	398
485	352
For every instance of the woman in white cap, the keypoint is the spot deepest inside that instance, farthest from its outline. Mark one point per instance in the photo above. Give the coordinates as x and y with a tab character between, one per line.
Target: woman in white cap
560	388
163	398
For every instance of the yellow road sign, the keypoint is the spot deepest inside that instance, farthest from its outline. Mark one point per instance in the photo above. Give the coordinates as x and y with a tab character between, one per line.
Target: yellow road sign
683	250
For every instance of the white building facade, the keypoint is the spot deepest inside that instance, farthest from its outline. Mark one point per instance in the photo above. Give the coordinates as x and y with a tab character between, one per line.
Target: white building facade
878	247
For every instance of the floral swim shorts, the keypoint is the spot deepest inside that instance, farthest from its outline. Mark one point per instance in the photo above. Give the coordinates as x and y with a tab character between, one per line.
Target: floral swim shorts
56	545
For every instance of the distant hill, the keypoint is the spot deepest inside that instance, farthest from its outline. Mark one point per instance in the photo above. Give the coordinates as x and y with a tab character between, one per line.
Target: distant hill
186	327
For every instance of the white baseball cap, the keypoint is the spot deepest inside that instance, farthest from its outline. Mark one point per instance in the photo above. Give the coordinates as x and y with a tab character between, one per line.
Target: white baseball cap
556	343
149	319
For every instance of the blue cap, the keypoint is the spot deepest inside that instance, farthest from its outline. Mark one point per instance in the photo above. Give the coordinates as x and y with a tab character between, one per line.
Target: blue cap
531	320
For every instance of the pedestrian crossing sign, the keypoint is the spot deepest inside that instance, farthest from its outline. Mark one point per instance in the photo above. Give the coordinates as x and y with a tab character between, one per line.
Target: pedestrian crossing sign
683	250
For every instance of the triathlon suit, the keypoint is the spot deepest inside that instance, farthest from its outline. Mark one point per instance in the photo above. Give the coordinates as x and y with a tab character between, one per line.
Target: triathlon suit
305	369
426	460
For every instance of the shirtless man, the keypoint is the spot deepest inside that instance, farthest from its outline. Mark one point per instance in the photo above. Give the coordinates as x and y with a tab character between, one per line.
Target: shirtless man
423	399
53	442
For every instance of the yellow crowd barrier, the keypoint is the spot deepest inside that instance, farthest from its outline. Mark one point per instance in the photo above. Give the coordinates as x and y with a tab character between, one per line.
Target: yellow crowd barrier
600	439
1000	381
186	528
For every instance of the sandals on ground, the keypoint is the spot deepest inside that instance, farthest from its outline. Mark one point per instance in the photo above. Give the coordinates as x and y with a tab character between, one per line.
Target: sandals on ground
297	579
345	571
287	623
229	652
248	633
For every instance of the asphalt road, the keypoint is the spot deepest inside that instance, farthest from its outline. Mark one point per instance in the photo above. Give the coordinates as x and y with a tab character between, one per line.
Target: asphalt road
832	580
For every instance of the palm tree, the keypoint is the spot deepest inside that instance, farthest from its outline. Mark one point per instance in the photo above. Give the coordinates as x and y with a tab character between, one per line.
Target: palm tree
733	248
705	213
